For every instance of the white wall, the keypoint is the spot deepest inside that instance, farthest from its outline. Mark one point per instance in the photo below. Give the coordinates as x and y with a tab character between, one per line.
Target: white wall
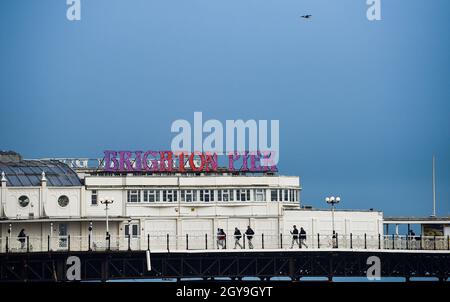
346	222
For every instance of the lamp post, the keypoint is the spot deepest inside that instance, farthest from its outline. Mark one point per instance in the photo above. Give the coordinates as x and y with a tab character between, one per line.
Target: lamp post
90	235
9	234
332	201
106	202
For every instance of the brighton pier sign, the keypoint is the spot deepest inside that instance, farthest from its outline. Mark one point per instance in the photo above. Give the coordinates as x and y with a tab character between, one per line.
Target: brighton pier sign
168	161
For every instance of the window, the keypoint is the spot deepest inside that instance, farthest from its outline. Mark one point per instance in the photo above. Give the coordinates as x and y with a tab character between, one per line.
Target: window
188	195
134	230
286	195
206	195
274	195
225	195
134	196
169	195
24	201
150	196
63	201
243	195
260	195
94	197
291	197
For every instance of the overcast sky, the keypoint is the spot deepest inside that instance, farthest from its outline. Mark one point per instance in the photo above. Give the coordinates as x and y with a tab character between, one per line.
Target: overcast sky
362	105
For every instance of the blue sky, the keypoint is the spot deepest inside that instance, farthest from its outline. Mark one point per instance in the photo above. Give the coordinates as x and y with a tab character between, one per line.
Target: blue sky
362	105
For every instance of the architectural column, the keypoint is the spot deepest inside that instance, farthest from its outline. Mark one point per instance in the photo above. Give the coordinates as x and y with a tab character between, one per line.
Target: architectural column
43	196
3	193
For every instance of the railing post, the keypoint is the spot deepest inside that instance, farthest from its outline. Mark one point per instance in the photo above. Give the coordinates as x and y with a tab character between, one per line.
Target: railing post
337	243
48	243
129	242
7	244
448	242
379	241
28	244
148	242
407	244
318	240
89	243
68	243
365	241
109	241
393	241
281	241
243	241
434	242
351	240
206	241
420	238
262	240
187	242
168	242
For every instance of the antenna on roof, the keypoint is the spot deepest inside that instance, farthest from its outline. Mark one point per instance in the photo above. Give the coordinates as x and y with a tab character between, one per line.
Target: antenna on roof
434	187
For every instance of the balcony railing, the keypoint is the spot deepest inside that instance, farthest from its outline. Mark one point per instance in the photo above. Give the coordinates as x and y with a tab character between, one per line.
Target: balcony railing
167	242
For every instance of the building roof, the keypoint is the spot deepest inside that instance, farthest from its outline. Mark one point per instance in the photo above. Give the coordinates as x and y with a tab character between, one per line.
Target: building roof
26	173
417	220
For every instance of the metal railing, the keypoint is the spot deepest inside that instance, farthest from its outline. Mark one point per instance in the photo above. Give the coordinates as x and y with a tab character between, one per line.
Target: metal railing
168	242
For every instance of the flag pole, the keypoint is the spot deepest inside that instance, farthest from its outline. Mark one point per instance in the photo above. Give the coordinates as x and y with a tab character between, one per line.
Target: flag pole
434	186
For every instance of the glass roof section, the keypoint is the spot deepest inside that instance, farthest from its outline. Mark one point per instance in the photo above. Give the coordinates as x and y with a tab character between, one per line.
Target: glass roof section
27	173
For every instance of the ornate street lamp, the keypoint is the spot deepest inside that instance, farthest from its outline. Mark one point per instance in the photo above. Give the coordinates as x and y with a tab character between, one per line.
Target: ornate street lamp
106	202
332	201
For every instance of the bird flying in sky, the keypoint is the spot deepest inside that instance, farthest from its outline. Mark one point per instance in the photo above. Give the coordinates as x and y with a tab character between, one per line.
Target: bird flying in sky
306	16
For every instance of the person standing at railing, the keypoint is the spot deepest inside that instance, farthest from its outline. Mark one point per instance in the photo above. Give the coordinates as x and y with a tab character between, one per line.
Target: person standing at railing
303	238
334	240
221	236
22	237
249	233
218	238
294	234
237	238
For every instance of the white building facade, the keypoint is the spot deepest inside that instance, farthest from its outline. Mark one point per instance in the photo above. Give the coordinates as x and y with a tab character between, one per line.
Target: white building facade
59	208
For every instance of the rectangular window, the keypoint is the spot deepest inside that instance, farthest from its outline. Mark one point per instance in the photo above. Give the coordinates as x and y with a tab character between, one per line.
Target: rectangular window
94	196
169	195
286	195
150	196
145	195
134	196
243	195
274	195
131	229
225	195
260	195
206	195
188	195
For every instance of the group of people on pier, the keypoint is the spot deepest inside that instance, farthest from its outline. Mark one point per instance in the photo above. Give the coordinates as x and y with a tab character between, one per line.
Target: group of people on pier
298	238
222	238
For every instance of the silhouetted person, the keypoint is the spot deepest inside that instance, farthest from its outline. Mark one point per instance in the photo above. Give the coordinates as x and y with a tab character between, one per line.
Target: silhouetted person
220	238
334	240
249	232
237	238
303	238
22	237
294	234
